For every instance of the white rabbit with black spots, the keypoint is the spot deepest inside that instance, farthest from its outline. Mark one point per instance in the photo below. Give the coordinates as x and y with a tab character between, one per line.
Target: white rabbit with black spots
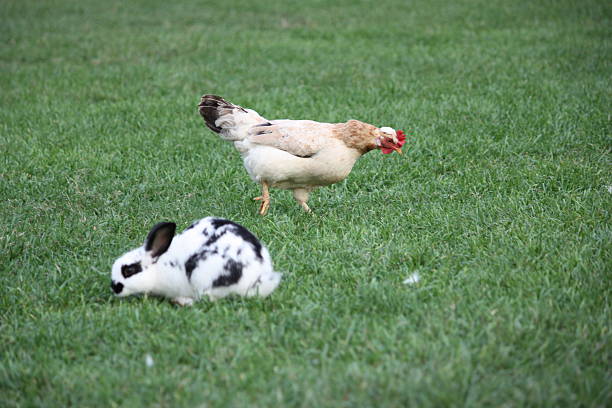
213	257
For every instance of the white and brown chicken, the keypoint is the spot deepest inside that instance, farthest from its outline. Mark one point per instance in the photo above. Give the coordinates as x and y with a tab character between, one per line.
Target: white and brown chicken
297	155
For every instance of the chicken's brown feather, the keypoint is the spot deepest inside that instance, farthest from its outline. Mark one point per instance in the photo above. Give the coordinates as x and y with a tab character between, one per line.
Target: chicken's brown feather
357	135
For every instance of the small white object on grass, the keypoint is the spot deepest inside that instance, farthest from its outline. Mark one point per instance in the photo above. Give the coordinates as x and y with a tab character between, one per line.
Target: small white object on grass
149	360
412	279
609	189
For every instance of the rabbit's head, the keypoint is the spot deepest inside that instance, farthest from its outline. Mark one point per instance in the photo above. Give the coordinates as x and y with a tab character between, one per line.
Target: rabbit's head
130	273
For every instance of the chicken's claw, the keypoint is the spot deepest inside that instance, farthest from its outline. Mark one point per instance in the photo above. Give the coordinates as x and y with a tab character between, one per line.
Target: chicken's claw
264	198
265	205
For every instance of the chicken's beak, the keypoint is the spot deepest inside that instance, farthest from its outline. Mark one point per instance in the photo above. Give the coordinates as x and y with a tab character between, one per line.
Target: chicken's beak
398	149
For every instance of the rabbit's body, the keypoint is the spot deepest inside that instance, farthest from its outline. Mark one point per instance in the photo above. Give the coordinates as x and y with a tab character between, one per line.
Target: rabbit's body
213	257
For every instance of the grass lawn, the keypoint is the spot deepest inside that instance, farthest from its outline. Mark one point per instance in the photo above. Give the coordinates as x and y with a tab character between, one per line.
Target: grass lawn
502	203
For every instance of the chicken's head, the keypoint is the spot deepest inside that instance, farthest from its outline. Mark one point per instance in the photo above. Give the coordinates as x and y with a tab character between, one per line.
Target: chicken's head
390	140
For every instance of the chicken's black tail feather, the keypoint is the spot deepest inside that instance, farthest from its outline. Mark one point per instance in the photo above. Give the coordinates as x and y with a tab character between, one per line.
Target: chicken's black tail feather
213	106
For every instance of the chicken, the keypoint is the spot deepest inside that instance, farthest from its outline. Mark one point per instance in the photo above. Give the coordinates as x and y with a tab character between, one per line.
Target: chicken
297	155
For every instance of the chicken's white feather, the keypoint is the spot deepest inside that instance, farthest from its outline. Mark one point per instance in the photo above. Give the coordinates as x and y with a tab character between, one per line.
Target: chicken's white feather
412	279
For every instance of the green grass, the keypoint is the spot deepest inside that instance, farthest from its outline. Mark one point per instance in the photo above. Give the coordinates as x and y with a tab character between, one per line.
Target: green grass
502	203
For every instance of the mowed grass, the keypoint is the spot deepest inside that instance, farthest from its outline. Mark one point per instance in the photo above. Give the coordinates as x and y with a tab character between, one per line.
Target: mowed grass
501	203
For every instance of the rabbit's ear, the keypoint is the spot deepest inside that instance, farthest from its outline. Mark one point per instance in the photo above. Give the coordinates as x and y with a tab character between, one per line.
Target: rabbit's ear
159	239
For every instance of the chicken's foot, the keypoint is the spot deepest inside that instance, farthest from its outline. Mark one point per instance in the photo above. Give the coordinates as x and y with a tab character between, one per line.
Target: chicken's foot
264	198
305	207
301	196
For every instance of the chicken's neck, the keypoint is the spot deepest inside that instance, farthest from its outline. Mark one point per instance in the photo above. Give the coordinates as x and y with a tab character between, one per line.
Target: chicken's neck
357	135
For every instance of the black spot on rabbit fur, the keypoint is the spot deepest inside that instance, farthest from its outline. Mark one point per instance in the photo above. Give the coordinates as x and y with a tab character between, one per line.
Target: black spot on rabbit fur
131	269
234	273
193	260
219	222
191	226
214	238
241	232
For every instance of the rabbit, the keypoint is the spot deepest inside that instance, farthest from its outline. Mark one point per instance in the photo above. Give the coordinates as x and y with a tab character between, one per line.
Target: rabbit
213	257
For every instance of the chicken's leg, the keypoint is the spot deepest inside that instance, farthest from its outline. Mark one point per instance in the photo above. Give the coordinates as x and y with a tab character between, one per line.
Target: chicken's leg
301	196
264	198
